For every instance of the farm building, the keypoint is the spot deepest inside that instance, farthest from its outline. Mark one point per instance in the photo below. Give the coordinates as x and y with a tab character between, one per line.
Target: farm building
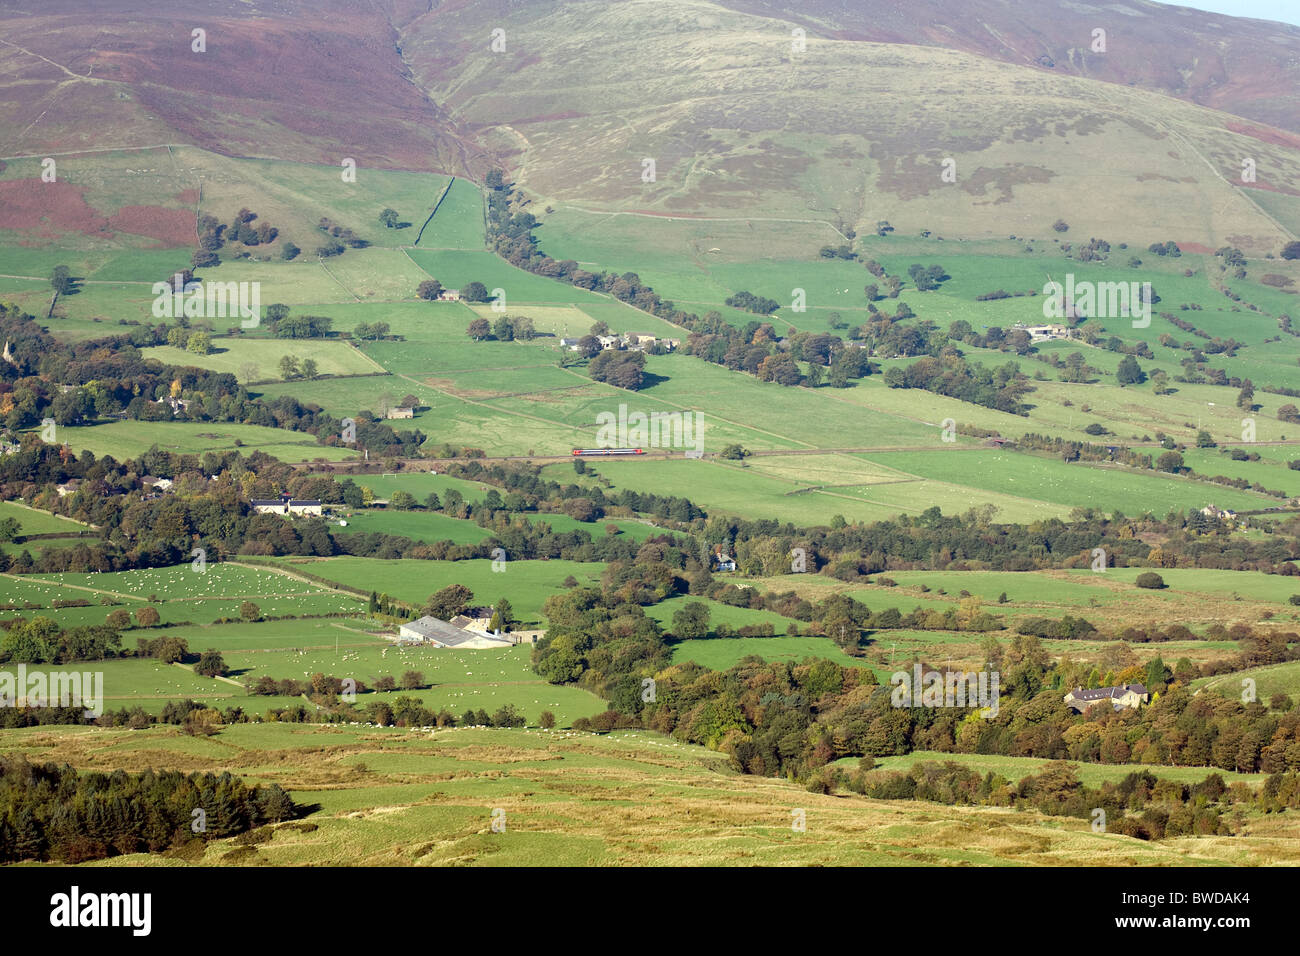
1125	696
177	405
632	341
286	505
439	633
448	295
1045	333
150	483
400	413
1210	511
724	562
69	487
474	619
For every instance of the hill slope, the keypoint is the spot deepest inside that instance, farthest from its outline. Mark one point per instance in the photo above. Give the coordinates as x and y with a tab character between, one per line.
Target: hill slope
577	96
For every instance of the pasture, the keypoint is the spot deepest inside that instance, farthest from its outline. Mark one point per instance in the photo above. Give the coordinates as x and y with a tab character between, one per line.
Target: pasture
526	584
257	360
1269	680
398	797
723	653
457	679
35	521
417	525
127	438
179	593
719	613
146	683
1068	484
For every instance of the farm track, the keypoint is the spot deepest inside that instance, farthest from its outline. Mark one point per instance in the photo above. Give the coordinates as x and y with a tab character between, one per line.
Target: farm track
41	511
276	569
74	587
224	680
325	468
337	280
361	353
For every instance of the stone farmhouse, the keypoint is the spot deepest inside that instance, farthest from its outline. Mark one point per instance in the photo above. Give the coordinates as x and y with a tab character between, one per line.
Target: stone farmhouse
286	505
632	342
69	487
1123	697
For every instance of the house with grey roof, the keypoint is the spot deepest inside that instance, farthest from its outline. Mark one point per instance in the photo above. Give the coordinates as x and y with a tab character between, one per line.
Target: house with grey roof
1123	697
286	505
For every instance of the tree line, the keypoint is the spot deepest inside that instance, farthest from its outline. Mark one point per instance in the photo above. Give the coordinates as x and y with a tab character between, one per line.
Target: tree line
54	813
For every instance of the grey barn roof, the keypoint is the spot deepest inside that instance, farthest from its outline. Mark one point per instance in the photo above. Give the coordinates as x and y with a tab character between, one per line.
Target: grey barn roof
442	632
1101	693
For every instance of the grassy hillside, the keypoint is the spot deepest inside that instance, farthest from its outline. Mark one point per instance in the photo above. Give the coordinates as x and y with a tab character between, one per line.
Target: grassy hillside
742	127
402	798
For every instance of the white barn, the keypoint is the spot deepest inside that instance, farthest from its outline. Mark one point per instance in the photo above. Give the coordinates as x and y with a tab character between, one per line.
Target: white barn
439	633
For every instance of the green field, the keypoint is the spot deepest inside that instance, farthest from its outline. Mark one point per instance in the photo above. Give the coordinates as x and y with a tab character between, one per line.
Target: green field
34	521
1252	585
127	439
416	525
277	636
786	488
465	679
719	613
256	360
458	223
720	654
460	680
526	584
1270	680
178	593
1024	587
147	683
1068	484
